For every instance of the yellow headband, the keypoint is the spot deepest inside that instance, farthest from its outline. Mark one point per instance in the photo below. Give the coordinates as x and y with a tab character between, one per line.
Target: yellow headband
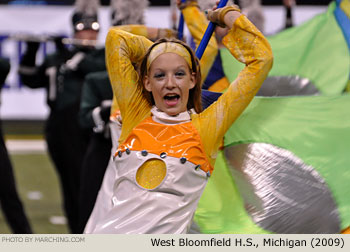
169	47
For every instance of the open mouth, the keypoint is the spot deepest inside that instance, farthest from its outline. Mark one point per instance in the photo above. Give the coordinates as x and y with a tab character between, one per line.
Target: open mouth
171	99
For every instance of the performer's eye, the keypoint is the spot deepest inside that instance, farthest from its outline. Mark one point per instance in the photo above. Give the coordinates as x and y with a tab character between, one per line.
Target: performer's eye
180	73
159	75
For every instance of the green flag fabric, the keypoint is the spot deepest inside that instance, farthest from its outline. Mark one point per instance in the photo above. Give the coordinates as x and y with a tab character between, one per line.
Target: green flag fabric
316	50
315	129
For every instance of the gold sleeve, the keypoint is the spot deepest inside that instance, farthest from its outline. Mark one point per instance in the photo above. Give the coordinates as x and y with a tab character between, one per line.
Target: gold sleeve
197	24
123	51
134	29
247	44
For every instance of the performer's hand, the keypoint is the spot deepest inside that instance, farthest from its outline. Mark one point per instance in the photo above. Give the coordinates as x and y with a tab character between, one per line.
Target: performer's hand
218	15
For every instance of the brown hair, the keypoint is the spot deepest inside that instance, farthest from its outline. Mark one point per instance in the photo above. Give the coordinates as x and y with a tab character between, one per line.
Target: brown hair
194	99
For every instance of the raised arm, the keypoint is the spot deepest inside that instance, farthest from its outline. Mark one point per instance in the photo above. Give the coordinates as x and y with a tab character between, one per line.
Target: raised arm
123	51
197	24
249	46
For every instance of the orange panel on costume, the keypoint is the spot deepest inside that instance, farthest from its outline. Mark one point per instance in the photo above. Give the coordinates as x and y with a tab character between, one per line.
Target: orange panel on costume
180	141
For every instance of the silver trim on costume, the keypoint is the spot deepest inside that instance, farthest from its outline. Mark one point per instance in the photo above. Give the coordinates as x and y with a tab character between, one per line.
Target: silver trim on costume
167	208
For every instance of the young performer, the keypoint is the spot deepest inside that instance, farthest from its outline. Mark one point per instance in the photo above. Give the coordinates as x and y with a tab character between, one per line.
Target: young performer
95	114
168	145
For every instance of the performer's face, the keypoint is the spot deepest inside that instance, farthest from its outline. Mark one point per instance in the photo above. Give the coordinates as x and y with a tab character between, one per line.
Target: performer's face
170	80
86	34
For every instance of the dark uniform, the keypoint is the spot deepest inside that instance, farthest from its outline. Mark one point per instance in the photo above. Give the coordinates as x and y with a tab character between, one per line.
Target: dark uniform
63	74
94	114
9	200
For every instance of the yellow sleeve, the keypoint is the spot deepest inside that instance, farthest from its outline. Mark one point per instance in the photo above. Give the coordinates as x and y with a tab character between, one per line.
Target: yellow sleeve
247	44
123	50
134	29
197	24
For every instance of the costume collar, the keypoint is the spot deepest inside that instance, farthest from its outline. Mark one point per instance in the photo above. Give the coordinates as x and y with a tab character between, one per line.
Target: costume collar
162	117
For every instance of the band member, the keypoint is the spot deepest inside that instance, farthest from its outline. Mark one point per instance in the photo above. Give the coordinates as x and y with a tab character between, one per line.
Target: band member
9	199
63	74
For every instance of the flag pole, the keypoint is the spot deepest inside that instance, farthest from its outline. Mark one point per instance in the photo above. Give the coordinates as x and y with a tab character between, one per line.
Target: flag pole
206	37
180	29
